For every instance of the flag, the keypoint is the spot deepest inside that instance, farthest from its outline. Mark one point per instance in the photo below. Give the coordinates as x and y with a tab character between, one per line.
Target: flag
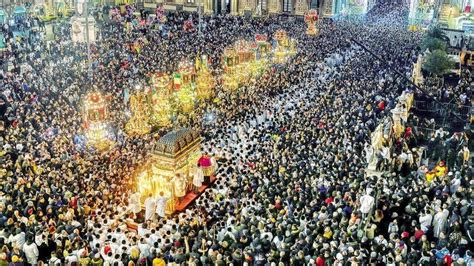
177	80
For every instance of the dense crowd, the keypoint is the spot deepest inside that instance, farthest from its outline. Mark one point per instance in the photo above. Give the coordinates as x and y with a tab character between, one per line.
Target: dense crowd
291	185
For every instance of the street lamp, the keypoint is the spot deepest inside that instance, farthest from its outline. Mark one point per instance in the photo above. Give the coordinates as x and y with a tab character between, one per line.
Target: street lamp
200	16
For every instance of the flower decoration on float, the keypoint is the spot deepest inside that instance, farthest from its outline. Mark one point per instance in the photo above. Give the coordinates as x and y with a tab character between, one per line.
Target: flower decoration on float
311	18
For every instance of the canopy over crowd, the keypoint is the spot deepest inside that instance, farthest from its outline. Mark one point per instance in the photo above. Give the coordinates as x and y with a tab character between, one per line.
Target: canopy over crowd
292	186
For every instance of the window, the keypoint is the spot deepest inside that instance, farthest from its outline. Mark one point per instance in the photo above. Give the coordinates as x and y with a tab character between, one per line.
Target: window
287	6
263	5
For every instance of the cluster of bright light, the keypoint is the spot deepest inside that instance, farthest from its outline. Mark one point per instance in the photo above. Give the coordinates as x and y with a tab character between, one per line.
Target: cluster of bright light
151	181
160	92
284	48
204	84
138	123
95	118
167	98
244	62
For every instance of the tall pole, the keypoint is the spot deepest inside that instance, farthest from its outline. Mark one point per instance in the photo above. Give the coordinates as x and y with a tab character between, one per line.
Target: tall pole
200	17
86	2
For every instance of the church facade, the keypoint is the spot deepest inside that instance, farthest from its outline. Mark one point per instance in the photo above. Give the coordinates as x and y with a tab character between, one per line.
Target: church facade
249	7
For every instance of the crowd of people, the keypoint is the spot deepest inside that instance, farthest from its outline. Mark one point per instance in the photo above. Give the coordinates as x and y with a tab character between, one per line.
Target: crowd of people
291	183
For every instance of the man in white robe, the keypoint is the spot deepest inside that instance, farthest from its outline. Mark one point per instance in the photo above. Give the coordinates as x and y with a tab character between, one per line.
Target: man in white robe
366	203
213	163
454	185
198	178
31	252
180	187
439	222
135	205
425	221
150	206
161	204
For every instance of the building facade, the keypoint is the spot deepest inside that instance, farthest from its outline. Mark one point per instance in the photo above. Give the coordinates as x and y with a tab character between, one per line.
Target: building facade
326	8
240	7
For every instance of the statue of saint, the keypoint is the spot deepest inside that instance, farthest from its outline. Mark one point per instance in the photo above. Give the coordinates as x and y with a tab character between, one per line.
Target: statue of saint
80	7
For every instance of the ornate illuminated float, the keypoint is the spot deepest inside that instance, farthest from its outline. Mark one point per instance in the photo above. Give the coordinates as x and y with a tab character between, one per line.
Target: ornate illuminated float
159	98
264	48
260	55
205	83
311	18
184	76
168	169
184	84
245	61
138	123
246	58
244	51
231	61
280	53
95	121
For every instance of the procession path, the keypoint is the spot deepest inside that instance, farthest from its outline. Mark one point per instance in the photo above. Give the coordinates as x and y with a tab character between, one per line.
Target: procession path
242	137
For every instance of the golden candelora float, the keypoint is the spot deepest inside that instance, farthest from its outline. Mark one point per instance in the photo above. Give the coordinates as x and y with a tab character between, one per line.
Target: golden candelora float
264	48
205	82
231	61
171	169
160	93
184	76
245	61
95	121
311	18
184	85
243	70
250	67
166	99
284	48
139	122
260	63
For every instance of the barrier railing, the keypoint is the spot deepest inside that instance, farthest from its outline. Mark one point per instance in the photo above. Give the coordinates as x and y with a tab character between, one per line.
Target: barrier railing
451	120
